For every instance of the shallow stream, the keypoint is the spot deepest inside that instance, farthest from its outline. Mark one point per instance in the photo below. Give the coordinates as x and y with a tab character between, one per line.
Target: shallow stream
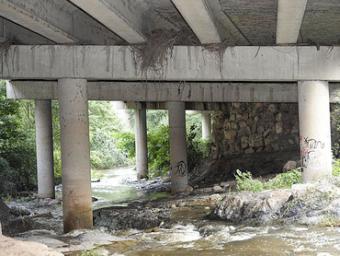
194	235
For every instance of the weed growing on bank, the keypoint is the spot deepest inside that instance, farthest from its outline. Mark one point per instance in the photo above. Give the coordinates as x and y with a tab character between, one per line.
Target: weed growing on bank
336	167
245	181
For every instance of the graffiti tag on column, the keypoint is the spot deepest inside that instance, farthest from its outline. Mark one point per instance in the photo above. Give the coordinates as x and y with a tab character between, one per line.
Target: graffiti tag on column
312	153
181	168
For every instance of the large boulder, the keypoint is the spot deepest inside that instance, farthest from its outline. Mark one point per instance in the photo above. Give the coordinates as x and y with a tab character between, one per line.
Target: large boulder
304	204
12	247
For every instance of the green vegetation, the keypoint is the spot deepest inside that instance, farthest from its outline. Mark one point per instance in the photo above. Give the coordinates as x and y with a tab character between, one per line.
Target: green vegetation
336	167
159	148
245	181
103	126
17	147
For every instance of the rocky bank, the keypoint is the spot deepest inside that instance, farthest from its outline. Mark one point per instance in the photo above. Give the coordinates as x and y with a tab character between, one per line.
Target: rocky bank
307	204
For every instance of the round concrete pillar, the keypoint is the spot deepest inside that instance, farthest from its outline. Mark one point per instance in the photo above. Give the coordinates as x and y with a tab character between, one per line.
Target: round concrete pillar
75	154
315	130
206	125
44	148
178	149
141	142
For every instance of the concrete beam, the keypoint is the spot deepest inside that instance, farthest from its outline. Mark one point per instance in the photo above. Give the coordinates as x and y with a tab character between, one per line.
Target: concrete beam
289	20
19	12
59	21
11	32
197	14
187	63
176	91
117	16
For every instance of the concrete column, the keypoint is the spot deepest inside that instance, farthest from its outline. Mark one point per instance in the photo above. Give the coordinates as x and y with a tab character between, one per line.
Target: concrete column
44	148
178	149
315	130
206	125
141	142
75	154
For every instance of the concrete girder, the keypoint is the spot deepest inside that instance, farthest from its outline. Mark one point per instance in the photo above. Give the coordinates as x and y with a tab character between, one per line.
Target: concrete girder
20	14
197	14
13	33
59	21
289	20
117	16
175	91
187	63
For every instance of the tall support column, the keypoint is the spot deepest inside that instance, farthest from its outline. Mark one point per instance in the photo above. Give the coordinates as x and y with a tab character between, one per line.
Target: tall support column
206	125
75	154
178	149
315	130
141	142
44	148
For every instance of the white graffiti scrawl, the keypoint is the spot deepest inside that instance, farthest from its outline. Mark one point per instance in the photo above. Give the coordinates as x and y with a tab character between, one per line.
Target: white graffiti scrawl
312	153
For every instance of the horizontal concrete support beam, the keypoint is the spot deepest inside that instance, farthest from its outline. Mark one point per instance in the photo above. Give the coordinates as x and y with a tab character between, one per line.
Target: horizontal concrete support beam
186	63
59	21
289	20
197	14
162	92
118	16
20	13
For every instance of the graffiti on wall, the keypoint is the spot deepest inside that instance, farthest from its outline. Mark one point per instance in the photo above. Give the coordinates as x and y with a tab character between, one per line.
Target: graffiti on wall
312	153
181	168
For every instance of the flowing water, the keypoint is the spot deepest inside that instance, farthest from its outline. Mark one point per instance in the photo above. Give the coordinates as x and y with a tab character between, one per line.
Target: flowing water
193	235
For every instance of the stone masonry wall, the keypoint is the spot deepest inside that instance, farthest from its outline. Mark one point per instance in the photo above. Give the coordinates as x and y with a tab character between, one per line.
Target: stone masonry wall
257	137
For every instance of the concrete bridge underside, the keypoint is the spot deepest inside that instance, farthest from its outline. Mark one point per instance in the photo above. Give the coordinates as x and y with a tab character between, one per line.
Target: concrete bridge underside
222	51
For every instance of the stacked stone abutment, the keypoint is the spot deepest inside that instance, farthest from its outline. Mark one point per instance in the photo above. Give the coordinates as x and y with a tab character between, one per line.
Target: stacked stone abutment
255	137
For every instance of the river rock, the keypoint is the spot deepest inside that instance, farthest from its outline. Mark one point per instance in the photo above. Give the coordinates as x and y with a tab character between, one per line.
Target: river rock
12	247
122	219
290	165
303	204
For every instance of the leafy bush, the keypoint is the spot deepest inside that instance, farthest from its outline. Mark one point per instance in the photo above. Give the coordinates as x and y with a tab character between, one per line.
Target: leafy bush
159	151
245	181
17	146
125	143
103	125
336	167
197	149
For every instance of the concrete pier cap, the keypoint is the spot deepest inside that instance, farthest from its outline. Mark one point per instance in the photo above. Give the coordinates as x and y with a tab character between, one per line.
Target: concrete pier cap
75	154
315	130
